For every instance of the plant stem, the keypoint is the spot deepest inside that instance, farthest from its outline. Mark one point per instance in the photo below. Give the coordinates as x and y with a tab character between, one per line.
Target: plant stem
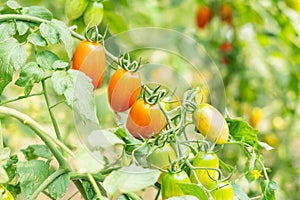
19	98
45	184
1	138
38	129
95	186
54	122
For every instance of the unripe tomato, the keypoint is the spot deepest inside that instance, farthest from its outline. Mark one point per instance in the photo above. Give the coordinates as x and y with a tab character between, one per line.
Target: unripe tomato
160	157
255	117
123	89
5	194
93	14
169	187
145	119
75	8
203	16
89	57
226	13
206	177
224	192
211	124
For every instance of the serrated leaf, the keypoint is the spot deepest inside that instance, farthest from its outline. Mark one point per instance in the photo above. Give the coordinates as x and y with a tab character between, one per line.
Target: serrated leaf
242	131
59	64
50	33
32	173
86	163
268	188
3	176
13	4
193	189
6	69
22	27
58	188
186	197
45	59
239	193
130	179
37	150
37	11
36	39
65	36
265	146
31	73
17	56
82	101
7	30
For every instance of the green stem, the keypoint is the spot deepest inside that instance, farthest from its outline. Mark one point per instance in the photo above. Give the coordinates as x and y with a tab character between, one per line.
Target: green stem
45	184
1	138
79	186
95	186
20	97
38	129
54	122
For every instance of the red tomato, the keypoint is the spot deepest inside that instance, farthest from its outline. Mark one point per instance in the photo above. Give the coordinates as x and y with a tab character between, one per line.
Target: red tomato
203	16
226	13
145	119
89	57
123	89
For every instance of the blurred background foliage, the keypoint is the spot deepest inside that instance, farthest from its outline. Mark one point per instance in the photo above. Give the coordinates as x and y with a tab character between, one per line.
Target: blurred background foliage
256	51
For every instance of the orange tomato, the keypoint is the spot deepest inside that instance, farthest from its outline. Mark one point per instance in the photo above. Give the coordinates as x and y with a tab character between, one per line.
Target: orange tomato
123	89
89	57
145	119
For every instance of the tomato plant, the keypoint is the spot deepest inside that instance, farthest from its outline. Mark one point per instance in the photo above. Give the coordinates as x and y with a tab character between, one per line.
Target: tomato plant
211	123
89	57
203	16
169	184
145	119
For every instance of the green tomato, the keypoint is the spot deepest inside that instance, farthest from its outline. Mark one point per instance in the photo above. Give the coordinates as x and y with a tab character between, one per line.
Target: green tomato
93	14
169	187
211	124
224	192
75	8
206	177
5	194
160	157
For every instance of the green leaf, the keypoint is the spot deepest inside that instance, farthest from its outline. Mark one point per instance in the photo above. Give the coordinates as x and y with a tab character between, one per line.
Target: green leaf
36	39
130	179
65	36
239	193
37	150
82	101
3	176
6	69
186	197
7	30
17	56
193	189
22	27
32	174
31	73
58	188
45	59
50	33
242	131
268	188
37	11
13	4
59	64
86	163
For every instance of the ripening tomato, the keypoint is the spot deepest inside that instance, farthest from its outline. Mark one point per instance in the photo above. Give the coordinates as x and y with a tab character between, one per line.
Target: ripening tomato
211	124
123	89
145	119
206	177
89	57
226	13
169	187
93	14
203	16
224	192
5	194
160	157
